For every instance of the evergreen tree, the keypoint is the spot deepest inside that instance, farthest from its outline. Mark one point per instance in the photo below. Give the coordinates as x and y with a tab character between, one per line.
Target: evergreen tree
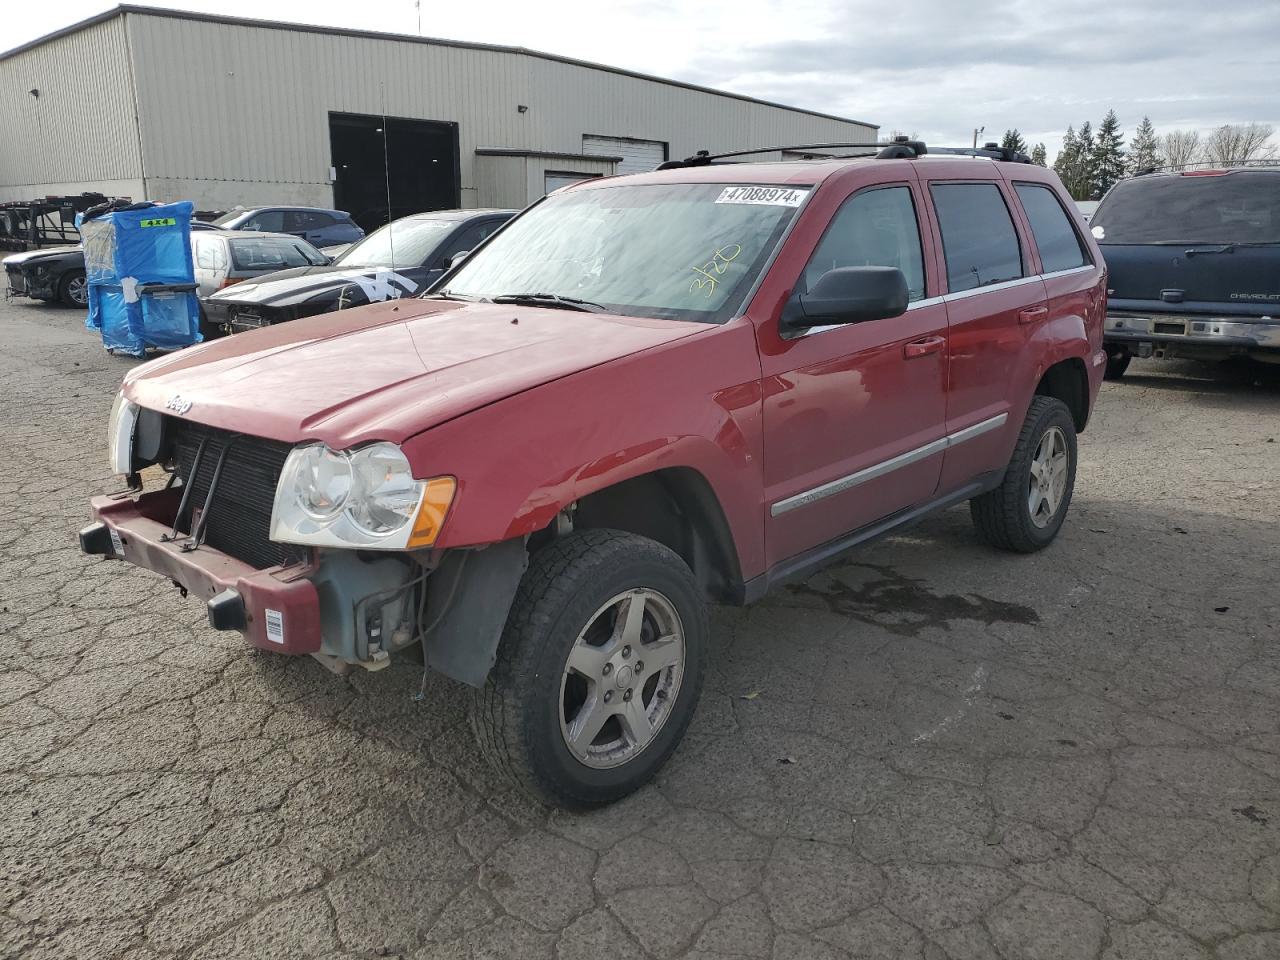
1039	155
1082	188
1012	140
1144	148
1067	161
1108	155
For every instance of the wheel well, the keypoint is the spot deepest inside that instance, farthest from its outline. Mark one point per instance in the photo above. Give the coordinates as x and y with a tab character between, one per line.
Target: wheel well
1069	382
677	508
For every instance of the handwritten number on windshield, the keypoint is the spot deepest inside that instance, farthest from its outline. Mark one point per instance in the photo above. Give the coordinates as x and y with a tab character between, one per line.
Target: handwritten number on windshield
710	272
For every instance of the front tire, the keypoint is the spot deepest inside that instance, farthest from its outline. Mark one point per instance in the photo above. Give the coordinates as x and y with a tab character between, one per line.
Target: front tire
599	669
73	289
1026	511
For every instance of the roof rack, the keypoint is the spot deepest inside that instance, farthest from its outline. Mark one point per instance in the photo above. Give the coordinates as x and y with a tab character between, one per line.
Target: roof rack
899	148
1209	165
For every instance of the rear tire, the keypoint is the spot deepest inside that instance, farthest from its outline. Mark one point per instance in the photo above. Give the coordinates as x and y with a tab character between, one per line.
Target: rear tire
73	289
1026	511
1117	364
570	710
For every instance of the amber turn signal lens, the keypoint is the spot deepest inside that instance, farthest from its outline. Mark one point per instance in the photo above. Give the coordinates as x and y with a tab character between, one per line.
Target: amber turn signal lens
435	504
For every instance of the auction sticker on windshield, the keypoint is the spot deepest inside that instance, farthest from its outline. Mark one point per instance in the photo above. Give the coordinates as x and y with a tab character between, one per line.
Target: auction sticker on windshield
768	196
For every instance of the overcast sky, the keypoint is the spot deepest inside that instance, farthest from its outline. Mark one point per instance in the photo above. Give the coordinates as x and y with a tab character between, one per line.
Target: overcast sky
936	68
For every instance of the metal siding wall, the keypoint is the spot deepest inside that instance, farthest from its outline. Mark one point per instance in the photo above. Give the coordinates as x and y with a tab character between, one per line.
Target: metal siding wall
80	133
244	109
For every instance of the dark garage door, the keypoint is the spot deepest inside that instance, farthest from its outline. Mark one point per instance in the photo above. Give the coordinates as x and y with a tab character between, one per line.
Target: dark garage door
388	167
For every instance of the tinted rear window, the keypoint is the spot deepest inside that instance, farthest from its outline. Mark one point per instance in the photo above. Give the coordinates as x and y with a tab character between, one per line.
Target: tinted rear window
978	239
1239	207
1059	244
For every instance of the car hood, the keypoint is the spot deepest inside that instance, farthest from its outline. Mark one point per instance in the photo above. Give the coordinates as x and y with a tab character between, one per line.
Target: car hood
290	287
50	253
385	371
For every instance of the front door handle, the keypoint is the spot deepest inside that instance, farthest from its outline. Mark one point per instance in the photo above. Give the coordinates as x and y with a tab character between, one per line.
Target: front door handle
922	348
1032	314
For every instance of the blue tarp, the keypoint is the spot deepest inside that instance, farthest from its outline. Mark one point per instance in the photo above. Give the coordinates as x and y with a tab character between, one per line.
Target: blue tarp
132	260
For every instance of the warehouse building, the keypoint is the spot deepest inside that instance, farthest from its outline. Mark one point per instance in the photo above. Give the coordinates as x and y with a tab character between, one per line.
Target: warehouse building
164	105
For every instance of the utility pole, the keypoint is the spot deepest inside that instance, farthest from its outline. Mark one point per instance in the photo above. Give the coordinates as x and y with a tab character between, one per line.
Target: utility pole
977	131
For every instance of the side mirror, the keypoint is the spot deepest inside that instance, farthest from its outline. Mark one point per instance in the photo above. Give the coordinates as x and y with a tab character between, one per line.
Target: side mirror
456	259
848	295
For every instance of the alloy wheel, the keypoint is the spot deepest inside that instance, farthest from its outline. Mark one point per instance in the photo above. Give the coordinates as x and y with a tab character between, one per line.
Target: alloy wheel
1048	481
78	291
621	678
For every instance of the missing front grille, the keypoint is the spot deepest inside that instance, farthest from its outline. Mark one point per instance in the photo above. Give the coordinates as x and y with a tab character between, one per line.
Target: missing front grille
238	518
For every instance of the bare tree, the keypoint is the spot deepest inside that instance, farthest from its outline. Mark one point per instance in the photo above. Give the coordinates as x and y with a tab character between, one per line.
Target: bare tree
1239	142
1181	148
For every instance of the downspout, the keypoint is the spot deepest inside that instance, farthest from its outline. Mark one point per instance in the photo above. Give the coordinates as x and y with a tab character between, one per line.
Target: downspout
137	114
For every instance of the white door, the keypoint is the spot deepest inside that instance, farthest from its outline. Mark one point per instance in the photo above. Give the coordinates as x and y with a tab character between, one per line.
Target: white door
638	156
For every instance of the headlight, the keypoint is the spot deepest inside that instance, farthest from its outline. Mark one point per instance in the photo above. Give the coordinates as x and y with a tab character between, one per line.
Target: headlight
124	417
387	495
367	498
320	480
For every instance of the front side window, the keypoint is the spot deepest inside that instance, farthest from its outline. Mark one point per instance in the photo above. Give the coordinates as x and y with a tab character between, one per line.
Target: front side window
1239	207
1059	244
683	251
270	221
274	253
979	243
874	228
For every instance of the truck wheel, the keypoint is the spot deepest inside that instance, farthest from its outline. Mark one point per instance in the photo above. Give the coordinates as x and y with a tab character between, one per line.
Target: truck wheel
1117	364
73	289
1025	512
599	669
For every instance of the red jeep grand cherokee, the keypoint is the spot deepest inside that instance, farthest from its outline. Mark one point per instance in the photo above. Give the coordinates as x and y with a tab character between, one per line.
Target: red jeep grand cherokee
643	393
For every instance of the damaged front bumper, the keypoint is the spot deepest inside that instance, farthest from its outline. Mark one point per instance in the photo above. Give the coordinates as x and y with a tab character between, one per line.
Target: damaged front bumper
24	282
344	607
276	609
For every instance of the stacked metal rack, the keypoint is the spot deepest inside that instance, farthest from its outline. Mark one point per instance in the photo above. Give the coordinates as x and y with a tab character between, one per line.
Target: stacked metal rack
46	222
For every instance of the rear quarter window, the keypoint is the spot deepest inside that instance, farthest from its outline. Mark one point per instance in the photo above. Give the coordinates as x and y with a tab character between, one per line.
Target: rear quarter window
1059	245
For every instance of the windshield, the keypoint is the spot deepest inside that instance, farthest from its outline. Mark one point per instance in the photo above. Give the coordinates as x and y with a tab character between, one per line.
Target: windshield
684	251
235	216
1241	207
274	253
405	243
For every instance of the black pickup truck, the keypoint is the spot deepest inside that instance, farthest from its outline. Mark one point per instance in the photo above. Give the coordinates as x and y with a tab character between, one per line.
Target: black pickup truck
1193	260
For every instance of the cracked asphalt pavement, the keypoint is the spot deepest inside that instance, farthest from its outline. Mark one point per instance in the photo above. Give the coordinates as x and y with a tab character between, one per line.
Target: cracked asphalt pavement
930	751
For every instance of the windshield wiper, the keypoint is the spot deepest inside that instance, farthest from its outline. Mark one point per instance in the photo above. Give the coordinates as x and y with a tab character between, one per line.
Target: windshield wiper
446	295
551	300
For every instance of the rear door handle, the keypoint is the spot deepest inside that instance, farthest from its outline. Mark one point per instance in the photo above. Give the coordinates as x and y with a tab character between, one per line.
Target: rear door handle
922	348
1032	314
